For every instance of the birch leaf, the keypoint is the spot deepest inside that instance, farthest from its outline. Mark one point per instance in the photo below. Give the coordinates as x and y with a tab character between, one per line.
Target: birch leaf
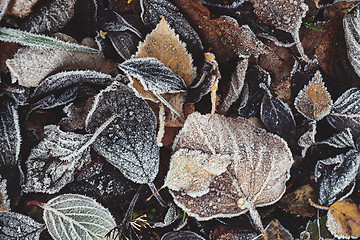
53	162
343	219
77	217
345	112
314	102
351	23
223	167
336	176
340	140
129	142
9	133
15	226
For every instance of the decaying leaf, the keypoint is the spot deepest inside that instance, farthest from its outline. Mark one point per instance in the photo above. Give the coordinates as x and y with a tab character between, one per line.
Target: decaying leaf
274	230
314	102
50	18
10	138
297	202
343	219
4	199
284	15
345	112
15	226
224	167
336	176
76	217
129	142
351	28
308	138
340	140
31	65
236	85
52	164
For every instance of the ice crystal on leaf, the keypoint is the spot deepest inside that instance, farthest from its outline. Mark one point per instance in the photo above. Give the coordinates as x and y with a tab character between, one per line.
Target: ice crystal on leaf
351	28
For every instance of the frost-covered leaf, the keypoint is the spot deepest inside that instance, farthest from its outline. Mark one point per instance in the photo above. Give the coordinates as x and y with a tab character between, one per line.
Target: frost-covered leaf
351	28
182	235
326	3
4	199
340	140
274	230
153	75
61	88
10	138
42	41
336	176
345	112
129	142
20	8
77	217
236	84
50	18
14	226
53	162
284	15
172	214
3	6
314	102
224	167
343	219
154	10
277	117
31	65
308	138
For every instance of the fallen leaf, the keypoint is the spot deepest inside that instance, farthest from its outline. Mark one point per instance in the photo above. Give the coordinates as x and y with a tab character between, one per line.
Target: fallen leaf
18	226
274	230
4	199
312	228
3	6
307	139
221	167
314	102
20	8
340	140
336	176
326	3
76	115
182	235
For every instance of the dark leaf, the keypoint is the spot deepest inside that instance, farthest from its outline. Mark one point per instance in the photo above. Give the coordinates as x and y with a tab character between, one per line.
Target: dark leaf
182	235
9	133
153	75
345	112
351	28
4	199
277	117
336	176
129	142
341	140
312	228
326	3
125	43
14	226
308	138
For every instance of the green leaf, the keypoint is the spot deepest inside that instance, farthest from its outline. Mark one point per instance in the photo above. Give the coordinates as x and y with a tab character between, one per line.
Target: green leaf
41	41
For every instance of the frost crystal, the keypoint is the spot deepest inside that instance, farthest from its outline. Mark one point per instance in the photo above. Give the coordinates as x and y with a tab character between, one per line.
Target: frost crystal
351	24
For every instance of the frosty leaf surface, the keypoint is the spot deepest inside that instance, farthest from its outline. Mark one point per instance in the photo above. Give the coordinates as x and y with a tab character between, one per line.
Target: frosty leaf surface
15	226
277	117
343	219
308	138
314	102
3	6
18	8
153	75
9	133
129	142
182	235
340	140
50	18
4	199
257	166
77	217
236	84
154	10
351	24
336	176
345	112
53	162
326	3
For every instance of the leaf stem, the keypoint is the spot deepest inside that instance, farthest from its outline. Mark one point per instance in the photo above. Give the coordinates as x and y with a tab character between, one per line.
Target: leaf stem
156	194
317	205
166	103
255	217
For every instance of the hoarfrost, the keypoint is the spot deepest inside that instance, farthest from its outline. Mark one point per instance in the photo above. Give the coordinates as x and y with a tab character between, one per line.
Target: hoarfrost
4	199
341	140
308	138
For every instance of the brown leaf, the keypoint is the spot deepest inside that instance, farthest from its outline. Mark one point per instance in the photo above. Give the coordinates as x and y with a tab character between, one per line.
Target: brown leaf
20	8
223	167
314	102
31	65
344	219
297	202
276	231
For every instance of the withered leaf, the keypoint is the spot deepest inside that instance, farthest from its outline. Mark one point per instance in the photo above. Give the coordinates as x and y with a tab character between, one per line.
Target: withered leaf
345	112
336	176
154	10
9	133
343	219
129	142
274	230
53	162
308	138
50	18
15	226
238	167
314	102
182	235
340	140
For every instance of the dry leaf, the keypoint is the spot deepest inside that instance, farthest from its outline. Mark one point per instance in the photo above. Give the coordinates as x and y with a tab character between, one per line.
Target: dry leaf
314	102
20	8
344	219
275	231
31	65
223	167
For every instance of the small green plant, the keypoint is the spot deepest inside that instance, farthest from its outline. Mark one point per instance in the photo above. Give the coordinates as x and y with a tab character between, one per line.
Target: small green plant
310	24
